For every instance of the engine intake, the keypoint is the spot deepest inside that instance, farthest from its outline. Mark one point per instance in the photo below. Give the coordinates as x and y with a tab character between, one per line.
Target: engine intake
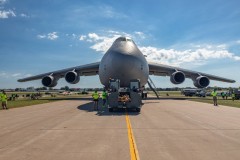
72	77
177	77
201	82
49	81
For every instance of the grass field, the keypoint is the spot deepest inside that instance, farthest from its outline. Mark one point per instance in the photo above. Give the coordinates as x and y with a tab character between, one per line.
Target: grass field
27	102
177	94
224	102
22	102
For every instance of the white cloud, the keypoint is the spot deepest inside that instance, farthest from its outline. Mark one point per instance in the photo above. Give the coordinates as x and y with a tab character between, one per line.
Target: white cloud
50	36
98	11
94	37
6	14
140	34
237	58
41	36
4	74
176	57
24	15
108	12
16	74
101	43
27	75
104	44
82	37
238	41
197	55
2	1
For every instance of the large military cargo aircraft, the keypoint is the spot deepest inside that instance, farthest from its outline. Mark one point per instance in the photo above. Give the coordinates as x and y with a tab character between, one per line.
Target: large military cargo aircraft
125	62
124	70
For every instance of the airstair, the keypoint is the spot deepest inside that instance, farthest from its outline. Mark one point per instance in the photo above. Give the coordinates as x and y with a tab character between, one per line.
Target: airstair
153	87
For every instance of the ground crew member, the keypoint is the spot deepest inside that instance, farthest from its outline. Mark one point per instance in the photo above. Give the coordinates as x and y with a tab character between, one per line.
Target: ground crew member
1	96
4	100
95	96
223	95
104	97
214	94
233	96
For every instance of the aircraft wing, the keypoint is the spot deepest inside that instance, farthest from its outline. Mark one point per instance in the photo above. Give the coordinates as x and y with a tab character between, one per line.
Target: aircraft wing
165	70
83	70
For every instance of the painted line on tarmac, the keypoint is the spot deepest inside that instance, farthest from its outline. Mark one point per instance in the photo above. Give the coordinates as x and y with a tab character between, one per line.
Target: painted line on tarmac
132	144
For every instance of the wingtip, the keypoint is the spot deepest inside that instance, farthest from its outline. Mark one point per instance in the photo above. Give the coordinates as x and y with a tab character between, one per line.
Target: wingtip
19	80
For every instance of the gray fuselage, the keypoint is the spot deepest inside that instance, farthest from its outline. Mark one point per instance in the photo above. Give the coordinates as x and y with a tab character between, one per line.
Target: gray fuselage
123	61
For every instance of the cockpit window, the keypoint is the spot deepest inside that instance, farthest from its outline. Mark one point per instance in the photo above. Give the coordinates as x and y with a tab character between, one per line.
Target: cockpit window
128	39
124	39
121	39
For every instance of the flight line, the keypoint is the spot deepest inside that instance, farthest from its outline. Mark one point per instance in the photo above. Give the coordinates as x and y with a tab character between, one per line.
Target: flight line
165	129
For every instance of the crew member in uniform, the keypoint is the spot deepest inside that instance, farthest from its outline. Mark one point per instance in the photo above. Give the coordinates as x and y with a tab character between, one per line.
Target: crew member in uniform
4	100
95	96
104	98
214	94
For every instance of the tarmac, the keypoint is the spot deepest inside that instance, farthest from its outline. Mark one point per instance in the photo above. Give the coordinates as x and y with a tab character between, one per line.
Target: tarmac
165	129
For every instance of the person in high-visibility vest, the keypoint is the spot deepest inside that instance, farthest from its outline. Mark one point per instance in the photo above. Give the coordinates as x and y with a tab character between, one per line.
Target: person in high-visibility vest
95	96
214	94
104	97
4	100
233	96
1	96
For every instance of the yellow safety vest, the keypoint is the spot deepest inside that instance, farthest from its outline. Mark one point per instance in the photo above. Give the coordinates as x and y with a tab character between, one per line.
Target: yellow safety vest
104	95
233	95
214	93
4	97
95	95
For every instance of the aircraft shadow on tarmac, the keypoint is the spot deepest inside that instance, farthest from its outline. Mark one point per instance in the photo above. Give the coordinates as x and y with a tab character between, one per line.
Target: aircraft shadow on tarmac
67	98
88	107
166	98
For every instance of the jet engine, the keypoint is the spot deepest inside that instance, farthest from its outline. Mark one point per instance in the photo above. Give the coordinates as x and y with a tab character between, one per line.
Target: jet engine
177	77
201	82
72	77
49	81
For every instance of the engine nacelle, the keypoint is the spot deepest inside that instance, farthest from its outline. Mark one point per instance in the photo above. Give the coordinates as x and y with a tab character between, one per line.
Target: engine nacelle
177	77
49	81
201	82
72	77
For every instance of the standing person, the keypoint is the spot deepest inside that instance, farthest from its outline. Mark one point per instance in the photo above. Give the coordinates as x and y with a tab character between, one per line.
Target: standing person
104	98
95	96
214	94
4	100
223	95
1	96
233	96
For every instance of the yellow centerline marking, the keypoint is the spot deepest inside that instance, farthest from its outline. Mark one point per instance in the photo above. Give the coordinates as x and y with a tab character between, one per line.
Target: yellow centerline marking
132	144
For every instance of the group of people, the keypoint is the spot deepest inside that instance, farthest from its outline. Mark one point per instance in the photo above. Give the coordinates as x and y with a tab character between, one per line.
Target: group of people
214	94
96	97
4	98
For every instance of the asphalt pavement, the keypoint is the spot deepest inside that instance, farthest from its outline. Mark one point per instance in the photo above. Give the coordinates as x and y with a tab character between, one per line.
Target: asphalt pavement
165	129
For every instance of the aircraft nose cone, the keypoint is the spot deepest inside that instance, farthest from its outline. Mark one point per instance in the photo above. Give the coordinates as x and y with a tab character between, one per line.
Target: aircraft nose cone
126	67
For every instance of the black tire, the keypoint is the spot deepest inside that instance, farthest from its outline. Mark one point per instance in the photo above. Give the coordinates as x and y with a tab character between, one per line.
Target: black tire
110	109
138	109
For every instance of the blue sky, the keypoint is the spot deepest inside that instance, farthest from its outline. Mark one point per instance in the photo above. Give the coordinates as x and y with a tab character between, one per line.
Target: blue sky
48	35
